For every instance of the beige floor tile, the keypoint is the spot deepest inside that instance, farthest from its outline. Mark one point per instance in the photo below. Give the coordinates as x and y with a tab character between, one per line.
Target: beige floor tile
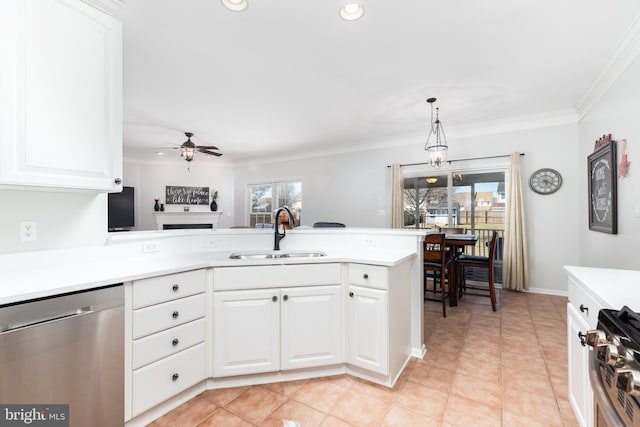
319	394
286	388
527	380
294	411
376	391
223	396
398	416
486	371
361	409
463	412
256	404
475	389
532	364
422	398
531	405
187	414
436	378
222	418
511	419
332	421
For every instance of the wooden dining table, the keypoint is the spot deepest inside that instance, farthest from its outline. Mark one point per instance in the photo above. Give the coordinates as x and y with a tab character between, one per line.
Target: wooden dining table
455	241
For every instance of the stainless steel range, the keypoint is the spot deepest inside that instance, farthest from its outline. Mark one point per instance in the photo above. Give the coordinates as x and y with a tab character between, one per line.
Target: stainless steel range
615	368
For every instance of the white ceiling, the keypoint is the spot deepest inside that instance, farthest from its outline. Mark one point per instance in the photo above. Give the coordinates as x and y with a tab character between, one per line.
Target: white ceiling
290	76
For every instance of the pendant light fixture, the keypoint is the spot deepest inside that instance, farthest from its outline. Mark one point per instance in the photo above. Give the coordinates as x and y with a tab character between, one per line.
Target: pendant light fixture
436	146
188	148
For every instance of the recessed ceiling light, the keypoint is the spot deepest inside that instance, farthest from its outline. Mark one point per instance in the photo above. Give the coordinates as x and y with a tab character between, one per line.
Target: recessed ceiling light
351	11
235	5
160	153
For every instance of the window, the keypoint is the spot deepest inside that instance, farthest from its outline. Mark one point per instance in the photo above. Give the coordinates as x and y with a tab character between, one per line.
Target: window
265	198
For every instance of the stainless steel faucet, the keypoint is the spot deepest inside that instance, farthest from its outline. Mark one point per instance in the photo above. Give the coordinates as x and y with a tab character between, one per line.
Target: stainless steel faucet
279	236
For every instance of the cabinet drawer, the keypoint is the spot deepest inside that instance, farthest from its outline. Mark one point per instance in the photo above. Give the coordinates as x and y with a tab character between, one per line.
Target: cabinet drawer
149	320
370	276
275	276
159	289
583	303
158	346
159	381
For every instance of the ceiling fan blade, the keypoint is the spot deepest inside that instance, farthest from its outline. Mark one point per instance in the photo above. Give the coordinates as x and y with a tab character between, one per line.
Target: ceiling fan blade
208	147
212	153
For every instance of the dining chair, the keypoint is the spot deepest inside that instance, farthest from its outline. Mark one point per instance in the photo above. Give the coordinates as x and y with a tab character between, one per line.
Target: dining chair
454	230
436	266
475	261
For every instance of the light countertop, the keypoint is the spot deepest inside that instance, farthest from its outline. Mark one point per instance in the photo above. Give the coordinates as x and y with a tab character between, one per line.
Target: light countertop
611	288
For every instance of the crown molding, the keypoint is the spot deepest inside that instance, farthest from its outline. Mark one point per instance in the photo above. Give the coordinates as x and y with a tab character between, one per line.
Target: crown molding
110	7
627	51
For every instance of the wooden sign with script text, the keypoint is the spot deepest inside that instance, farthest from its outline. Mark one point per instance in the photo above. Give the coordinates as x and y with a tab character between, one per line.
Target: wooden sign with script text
178	195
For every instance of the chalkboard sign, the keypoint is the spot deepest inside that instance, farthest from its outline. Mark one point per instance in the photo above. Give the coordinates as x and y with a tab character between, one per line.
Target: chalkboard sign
602	190
178	195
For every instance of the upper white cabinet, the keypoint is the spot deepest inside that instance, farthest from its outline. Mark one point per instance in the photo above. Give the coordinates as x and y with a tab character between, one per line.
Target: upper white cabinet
60	95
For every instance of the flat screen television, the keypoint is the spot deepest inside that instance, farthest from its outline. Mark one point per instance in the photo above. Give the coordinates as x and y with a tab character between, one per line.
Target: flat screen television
121	210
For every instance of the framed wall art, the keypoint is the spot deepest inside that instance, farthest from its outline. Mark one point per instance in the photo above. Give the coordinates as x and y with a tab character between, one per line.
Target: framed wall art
181	195
603	212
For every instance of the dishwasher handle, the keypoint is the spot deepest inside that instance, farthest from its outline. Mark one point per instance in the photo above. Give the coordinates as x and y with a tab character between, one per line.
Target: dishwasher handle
47	319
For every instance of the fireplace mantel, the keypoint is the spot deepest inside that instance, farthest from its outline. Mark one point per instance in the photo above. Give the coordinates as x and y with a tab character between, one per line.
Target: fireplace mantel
179	218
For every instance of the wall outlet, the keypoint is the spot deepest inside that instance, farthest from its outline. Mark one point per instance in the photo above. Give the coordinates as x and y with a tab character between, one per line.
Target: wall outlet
149	247
28	231
369	241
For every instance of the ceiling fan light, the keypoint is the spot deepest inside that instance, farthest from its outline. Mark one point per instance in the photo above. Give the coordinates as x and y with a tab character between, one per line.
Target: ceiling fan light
188	153
351	11
235	5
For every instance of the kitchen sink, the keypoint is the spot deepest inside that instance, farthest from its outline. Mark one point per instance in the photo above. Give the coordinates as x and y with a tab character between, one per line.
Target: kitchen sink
276	254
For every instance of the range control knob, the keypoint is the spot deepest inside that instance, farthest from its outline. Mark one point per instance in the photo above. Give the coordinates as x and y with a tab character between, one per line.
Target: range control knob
628	380
595	337
607	353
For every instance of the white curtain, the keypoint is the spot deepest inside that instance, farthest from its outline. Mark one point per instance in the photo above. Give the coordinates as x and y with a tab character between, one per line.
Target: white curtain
515	263
396	196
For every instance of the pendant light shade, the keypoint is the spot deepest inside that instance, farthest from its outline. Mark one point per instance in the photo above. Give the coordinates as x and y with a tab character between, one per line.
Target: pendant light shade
436	145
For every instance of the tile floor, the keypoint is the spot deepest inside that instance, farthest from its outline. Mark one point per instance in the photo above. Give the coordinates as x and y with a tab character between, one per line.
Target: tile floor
481	369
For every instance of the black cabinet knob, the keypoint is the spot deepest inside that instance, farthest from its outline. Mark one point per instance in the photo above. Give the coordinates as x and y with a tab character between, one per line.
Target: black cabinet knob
175	342
274	298
286	297
365	276
175	314
583	308
175	287
118	181
351	294
175	377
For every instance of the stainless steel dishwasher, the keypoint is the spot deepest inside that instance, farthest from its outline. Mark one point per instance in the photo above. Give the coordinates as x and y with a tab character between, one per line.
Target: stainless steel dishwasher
66	349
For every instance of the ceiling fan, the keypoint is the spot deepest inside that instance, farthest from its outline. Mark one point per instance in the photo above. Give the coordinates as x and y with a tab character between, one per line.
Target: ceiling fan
188	149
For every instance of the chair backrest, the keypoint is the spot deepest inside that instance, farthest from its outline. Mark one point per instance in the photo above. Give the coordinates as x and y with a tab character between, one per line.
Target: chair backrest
324	224
492	247
453	230
434	248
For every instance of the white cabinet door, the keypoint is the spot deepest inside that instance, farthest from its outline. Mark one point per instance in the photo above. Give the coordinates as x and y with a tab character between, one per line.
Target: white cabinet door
246	332
580	394
60	95
312	326
367	327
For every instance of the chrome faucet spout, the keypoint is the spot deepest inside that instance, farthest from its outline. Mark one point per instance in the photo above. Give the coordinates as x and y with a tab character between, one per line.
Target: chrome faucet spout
277	237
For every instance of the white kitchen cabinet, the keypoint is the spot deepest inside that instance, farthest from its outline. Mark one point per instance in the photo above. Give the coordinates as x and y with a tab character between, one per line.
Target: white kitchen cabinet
267	330
60	95
378	321
165	338
277	317
582	315
367	323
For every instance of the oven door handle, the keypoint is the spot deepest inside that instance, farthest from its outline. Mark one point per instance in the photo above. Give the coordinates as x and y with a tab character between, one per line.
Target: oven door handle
602	401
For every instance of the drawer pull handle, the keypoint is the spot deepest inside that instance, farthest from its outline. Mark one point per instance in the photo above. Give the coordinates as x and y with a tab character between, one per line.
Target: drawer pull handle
274	298
175	314
583	309
175	377
175	342
583	338
365	276
285	297
351	294
175	287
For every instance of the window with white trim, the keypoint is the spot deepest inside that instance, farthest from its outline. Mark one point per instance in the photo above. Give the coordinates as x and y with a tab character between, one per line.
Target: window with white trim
266	197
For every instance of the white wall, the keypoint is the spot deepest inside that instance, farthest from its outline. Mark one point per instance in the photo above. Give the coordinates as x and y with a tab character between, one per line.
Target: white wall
617	113
63	219
150	180
354	188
